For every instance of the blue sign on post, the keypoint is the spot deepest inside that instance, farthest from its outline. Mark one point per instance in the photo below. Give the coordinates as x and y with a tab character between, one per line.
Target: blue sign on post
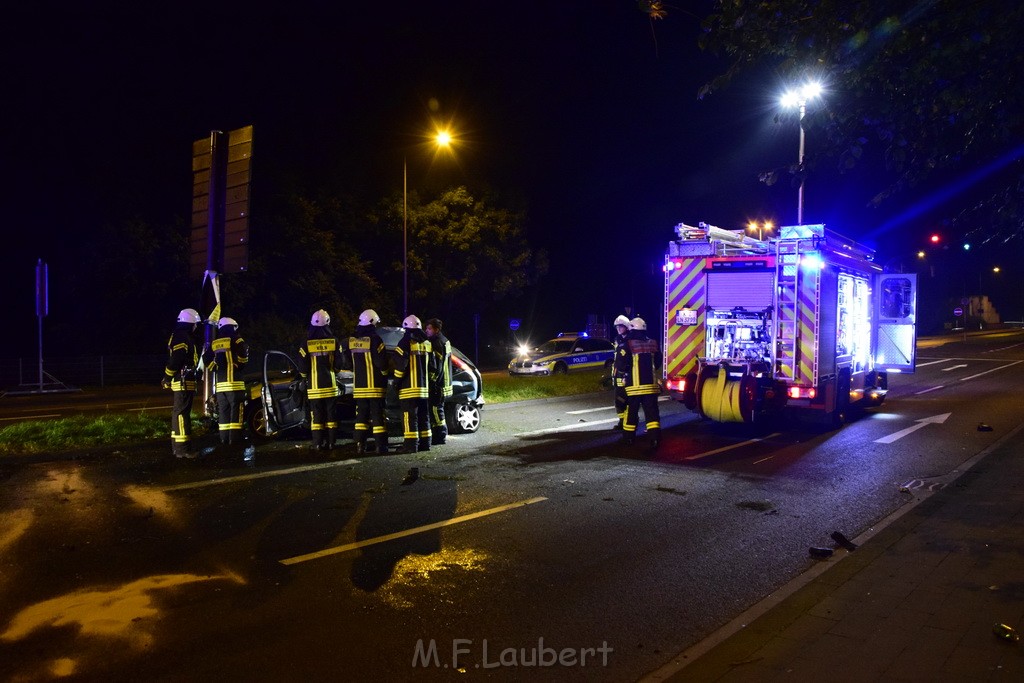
513	324
958	311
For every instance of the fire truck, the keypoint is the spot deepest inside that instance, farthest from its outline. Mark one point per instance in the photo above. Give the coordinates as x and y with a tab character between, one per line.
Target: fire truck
804	322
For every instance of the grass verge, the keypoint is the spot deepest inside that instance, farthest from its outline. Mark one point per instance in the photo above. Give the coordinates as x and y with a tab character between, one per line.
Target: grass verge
48	436
500	387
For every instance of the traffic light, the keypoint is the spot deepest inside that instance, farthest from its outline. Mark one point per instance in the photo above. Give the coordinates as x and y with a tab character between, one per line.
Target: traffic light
935	238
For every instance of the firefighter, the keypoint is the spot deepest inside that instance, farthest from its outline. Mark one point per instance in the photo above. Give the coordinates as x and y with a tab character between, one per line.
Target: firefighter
440	381
225	358
413	366
180	377
618	380
319	358
637	360
369	360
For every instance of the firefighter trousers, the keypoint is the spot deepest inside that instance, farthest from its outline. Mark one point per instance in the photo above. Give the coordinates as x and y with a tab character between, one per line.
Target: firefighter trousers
416	424
649	402
229	416
370	418
323	423
181	423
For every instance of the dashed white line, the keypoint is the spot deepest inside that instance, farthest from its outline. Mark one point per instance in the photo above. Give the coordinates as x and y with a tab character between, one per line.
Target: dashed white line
578	425
256	475
408	532
729	448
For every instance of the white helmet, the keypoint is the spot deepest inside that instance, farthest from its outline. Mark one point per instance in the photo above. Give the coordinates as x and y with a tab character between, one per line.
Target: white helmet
320	319
637	324
224	322
412	322
622	320
369	317
188	315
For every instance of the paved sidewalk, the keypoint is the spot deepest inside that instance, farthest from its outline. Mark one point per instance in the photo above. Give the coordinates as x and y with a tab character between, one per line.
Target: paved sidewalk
916	601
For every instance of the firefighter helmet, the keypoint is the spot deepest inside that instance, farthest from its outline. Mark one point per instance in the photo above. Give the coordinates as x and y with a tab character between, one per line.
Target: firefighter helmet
369	317
622	320
188	315
412	322
224	322
637	324
320	319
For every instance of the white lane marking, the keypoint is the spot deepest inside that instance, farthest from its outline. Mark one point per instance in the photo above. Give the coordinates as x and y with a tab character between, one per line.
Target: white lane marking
408	532
729	448
923	422
1001	367
135	410
30	417
925	391
577	425
932	362
954	367
1002	349
256	475
594	410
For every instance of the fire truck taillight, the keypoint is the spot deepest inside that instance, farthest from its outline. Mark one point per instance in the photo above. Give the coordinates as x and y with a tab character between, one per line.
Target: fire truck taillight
802	392
675	384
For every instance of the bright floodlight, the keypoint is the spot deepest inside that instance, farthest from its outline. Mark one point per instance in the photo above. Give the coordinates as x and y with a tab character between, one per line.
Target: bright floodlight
444	138
798	98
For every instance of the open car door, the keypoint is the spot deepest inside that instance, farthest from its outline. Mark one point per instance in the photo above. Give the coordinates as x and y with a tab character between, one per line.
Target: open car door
283	394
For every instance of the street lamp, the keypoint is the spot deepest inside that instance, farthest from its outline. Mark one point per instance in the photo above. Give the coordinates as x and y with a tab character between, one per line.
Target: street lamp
442	139
760	227
799	98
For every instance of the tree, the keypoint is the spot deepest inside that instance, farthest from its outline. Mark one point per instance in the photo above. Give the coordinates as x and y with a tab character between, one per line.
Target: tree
464	254
920	87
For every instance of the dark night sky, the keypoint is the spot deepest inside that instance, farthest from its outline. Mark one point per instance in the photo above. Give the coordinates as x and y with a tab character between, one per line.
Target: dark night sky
575	108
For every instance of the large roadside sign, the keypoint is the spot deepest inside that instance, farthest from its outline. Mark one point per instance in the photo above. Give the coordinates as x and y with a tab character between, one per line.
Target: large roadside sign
221	169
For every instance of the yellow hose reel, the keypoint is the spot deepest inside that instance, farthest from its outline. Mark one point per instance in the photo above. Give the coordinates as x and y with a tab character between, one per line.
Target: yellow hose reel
726	400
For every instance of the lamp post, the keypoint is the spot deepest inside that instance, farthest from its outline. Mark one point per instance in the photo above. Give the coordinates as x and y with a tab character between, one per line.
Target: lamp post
761	228
799	98
442	139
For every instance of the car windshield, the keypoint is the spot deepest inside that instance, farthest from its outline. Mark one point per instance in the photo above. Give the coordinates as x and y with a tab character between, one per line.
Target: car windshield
556	346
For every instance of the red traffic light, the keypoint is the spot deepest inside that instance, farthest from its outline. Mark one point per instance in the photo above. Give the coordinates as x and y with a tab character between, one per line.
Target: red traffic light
935	239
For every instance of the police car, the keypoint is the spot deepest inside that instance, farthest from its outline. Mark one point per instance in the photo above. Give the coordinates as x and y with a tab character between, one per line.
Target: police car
567	351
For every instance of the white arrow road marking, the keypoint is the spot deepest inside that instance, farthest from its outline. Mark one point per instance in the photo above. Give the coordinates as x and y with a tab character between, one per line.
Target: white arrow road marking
408	532
954	367
924	421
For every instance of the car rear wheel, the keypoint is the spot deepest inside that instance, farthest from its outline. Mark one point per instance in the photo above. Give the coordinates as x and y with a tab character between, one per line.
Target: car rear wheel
462	418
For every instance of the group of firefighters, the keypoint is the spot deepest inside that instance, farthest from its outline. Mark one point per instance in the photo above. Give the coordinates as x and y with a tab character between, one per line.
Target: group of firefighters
421	367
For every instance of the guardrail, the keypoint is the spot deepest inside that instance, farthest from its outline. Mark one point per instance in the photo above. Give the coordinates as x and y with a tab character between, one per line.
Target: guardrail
82	370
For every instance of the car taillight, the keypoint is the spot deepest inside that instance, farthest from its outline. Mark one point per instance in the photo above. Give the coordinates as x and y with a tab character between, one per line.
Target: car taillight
459	363
675	384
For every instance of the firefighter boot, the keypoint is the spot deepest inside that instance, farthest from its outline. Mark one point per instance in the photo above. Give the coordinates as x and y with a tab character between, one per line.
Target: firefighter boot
382	445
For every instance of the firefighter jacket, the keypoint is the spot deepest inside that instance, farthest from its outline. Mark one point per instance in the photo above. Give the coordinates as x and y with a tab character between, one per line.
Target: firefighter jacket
369	362
182	358
413	365
637	360
226	357
442	376
618	341
319	363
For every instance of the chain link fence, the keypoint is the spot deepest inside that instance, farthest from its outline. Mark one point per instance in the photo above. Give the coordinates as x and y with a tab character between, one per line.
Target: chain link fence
88	371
